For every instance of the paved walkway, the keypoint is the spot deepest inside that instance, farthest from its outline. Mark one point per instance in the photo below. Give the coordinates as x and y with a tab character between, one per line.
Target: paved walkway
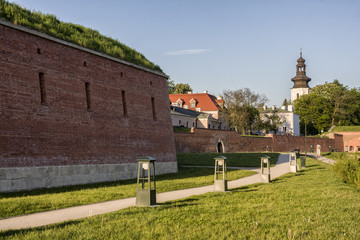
73	213
322	158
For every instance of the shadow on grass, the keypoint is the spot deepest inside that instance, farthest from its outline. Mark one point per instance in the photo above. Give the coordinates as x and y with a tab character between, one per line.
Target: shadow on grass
180	203
9	233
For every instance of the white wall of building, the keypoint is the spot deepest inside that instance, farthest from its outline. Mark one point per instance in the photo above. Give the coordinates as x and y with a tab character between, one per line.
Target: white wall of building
298	92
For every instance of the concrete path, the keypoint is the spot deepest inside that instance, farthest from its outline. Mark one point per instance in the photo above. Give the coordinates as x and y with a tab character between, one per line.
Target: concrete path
322	159
236	168
73	213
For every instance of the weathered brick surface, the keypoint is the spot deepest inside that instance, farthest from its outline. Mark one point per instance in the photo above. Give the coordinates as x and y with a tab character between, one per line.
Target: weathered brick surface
351	139
204	140
64	132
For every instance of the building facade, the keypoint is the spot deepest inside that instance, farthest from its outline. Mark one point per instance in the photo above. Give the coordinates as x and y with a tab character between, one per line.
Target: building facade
208	107
70	115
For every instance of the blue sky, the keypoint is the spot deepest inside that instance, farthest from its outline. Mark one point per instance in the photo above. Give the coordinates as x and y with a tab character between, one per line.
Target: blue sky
229	44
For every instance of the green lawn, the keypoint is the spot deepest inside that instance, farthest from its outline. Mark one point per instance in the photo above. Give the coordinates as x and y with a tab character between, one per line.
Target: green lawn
234	159
13	204
346	129
311	204
339	155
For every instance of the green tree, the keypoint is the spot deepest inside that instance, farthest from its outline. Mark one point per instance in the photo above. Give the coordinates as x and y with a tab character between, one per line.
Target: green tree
345	102
272	122
171	86
181	88
285	102
315	110
241	109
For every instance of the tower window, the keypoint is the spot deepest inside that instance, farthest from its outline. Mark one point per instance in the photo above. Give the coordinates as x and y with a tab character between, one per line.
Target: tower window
121	74
124	103
85	65
153	108
150	82
88	99
38	51
42	89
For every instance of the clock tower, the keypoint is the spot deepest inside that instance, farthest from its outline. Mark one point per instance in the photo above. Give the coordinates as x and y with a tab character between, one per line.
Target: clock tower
301	86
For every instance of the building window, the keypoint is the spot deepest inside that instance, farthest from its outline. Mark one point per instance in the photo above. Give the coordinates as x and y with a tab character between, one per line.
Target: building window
42	89
38	51
88	99
193	124
153	108
346	148
193	105
209	126
297	96
351	148
124	103
85	65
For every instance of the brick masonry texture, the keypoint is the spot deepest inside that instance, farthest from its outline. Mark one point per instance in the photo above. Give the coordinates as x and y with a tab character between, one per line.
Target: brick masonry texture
204	140
63	131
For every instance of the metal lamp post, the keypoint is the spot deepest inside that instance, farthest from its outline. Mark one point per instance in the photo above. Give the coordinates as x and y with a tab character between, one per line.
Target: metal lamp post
265	169
146	184
220	177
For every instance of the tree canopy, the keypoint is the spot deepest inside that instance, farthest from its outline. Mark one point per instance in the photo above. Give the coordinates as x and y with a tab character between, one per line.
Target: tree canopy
74	33
328	105
241	108
181	88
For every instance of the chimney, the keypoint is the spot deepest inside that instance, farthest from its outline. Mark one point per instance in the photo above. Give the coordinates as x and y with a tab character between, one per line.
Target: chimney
189	92
205	91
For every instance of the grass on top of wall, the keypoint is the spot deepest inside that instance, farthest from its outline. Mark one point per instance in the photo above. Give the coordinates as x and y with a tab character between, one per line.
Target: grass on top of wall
311	204
13	204
234	159
346	129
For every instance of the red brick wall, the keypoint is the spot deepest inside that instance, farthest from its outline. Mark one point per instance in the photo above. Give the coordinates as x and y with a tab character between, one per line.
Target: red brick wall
64	132
351	139
204	140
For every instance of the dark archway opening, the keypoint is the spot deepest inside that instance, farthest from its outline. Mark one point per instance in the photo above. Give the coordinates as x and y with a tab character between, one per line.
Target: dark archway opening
220	147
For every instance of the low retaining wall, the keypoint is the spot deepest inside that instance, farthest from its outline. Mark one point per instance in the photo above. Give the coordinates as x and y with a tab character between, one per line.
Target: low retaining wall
205	140
26	178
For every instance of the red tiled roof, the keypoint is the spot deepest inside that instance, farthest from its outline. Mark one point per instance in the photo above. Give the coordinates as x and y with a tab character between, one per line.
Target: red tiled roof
205	101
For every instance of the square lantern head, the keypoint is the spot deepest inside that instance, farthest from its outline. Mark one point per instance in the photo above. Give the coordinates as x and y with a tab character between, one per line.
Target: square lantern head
220	160
265	159
146	161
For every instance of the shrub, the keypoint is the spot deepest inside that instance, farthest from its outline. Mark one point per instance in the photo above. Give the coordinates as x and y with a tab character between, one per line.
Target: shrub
349	170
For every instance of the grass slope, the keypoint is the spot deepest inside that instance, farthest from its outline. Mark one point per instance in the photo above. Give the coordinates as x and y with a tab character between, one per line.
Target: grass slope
346	129
86	37
13	204
234	159
311	204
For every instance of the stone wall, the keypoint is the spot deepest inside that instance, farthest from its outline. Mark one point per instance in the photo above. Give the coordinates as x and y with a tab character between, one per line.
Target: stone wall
204	140
124	113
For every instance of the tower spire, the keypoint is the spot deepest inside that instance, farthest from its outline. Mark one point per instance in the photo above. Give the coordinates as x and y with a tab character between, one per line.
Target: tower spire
300	80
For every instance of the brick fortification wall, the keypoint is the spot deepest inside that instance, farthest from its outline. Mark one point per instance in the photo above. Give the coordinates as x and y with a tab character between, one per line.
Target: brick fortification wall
205	140
94	116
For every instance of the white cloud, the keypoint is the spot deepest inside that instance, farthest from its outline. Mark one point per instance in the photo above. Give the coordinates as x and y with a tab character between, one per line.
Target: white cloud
188	52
